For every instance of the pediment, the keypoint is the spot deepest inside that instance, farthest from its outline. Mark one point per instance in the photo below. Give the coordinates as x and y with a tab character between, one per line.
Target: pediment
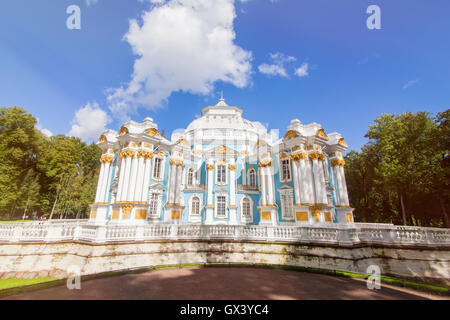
157	186
221	151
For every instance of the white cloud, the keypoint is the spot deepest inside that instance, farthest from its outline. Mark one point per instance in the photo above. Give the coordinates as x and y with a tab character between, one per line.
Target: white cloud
277	67
302	71
44	131
181	45
410	83
90	2
89	122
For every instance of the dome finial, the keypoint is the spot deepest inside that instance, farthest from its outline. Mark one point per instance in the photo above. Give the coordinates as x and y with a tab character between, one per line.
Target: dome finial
221	102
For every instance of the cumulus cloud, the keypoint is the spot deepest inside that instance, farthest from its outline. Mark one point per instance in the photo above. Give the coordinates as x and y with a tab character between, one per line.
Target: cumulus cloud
44	131
302	71
181	45
277	67
89	122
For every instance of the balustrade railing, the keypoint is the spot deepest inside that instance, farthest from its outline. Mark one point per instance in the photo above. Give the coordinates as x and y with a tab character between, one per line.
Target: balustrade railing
340	234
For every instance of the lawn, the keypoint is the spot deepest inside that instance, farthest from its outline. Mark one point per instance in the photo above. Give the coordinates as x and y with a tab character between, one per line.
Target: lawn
14	282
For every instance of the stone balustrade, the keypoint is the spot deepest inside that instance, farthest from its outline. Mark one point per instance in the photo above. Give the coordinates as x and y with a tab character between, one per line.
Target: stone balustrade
335	234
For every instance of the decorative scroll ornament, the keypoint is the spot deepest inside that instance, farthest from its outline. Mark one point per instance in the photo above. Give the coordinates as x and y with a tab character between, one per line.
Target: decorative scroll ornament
107	159
232	167
265	163
337	162
145	154
182	142
153	132
127	153
283	155
342	142
314	155
298	156
210	166
123	130
126	209
102	138
177	162
290	134
296	148
321	133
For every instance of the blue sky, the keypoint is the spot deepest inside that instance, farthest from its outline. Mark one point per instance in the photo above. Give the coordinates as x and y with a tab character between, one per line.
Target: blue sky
351	74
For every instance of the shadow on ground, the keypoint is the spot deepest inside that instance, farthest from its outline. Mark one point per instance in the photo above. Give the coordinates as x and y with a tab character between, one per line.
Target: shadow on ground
227	283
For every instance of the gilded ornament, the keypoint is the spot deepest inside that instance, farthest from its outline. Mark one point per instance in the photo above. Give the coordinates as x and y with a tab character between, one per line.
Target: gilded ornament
102	138
321	133
123	130
210	167
232	167
342	142
290	134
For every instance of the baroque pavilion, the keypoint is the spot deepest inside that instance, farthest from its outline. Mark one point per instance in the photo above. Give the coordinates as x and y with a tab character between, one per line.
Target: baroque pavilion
222	169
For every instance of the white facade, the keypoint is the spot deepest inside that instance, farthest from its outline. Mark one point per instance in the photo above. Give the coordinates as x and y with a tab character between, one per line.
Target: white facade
223	169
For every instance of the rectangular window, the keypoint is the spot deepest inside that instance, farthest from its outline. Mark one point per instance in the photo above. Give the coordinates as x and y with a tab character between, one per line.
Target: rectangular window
287	206
154	204
221	174
285	170
157	168
221	206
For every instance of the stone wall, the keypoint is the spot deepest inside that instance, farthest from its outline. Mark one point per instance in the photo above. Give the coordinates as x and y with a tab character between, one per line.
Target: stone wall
29	260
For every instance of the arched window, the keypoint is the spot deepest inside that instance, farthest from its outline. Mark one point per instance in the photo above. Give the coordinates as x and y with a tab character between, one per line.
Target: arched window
195	206
252	178
246	210
190	177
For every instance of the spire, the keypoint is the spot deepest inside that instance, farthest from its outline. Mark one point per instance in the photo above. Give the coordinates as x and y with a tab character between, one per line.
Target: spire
221	102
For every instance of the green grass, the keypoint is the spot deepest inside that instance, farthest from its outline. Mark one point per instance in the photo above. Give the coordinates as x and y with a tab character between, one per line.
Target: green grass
14	282
12	221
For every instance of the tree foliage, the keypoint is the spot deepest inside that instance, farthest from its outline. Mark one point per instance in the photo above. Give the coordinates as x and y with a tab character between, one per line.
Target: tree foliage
40	175
402	174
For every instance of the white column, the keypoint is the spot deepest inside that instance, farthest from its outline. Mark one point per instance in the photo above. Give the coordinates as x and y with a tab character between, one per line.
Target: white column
121	178
109	168
337	183
343	186
99	183
244	172
295	170
146	182
319	182
209	201
171	191
306	181
270	185
178	185
132	185
323	188
126	181
140	179
263	186
104	182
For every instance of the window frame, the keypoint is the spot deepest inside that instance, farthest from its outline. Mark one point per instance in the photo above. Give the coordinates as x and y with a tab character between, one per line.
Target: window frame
290	195
216	205
246	219
161	168
249	174
195	217
158	204
220	164
282	171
